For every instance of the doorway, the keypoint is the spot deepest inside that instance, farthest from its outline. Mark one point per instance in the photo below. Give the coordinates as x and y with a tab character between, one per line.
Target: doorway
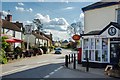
114	53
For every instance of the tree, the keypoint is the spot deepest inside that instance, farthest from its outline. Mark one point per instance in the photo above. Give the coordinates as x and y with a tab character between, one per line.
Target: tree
38	24
75	28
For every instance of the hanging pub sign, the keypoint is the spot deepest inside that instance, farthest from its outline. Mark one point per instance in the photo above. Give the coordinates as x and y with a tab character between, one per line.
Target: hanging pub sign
76	37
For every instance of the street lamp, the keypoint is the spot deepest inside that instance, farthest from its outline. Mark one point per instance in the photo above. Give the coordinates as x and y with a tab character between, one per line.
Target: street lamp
28	31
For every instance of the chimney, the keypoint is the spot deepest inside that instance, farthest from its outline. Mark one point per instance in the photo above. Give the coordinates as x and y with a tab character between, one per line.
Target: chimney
9	16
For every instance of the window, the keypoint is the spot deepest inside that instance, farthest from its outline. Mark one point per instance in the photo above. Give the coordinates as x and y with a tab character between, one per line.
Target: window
97	43
85	45
85	54
97	55
85	51
92	45
92	49
104	50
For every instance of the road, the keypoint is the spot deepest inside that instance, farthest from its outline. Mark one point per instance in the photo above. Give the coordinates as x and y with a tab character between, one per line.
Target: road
46	66
35	67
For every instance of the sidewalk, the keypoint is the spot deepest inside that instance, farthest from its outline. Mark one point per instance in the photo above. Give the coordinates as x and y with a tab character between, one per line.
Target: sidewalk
79	72
79	67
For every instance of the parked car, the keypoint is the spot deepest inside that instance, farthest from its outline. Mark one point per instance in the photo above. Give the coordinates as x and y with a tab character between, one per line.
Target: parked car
58	51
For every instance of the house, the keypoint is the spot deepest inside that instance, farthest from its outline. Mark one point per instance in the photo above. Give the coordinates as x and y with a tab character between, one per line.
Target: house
38	39
101	38
64	43
12	29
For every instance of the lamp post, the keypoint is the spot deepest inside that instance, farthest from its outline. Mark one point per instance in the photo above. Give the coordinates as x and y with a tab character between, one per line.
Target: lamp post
28	31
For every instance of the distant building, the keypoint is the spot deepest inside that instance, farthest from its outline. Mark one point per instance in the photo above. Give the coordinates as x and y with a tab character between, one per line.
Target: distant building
38	39
64	43
101	38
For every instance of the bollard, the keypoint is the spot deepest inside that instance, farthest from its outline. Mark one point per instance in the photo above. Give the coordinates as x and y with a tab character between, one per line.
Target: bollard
74	62
87	66
66	60
69	58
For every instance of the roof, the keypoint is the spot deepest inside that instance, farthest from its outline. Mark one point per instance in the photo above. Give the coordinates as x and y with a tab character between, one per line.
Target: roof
40	35
99	32
20	25
10	25
92	33
48	37
98	5
65	41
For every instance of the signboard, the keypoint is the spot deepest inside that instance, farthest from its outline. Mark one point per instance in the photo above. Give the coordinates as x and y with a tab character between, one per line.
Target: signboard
28	29
76	37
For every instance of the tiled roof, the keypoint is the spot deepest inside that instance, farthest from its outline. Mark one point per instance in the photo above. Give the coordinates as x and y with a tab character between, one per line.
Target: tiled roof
10	25
39	36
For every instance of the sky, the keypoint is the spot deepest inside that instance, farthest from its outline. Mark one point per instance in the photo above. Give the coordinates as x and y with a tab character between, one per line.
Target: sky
55	16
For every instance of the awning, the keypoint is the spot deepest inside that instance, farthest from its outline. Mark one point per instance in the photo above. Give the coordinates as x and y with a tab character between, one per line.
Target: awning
11	39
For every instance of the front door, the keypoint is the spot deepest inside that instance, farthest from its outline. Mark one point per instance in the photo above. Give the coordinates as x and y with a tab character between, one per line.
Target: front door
114	53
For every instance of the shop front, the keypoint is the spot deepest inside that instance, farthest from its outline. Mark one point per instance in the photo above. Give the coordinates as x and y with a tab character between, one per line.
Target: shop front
102	47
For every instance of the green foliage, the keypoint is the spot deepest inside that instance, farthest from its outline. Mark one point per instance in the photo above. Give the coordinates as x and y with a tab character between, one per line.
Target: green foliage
44	48
4	43
38	23
3	58
18	50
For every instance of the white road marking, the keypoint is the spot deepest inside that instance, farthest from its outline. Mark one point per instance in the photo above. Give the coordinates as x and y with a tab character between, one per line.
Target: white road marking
47	76
14	70
52	73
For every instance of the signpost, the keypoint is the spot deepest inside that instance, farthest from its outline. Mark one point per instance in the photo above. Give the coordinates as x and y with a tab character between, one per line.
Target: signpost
76	37
28	31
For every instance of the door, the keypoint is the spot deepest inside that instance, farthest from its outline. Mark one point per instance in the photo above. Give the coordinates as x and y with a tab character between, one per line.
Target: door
114	53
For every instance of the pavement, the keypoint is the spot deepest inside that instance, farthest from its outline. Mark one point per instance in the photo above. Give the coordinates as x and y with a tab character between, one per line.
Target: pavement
79	72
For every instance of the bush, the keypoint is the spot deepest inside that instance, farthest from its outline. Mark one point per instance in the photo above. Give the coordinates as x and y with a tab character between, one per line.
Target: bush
4	43
44	48
17	51
3	59
51	48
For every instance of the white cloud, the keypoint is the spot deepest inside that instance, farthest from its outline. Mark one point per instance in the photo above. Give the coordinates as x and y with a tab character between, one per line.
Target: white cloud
40	0
66	1
29	10
68	8
21	4
21	9
44	19
57	23
60	35
4	13
82	18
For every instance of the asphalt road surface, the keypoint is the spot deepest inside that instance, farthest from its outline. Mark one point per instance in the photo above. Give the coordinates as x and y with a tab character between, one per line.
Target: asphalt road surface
47	67
41	66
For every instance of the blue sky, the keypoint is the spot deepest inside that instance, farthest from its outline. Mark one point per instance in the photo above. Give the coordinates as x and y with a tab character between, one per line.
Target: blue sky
49	12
